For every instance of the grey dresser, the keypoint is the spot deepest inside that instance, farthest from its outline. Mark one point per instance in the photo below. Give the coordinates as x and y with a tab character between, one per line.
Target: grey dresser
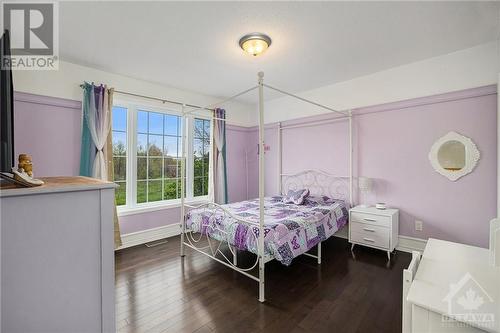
57	257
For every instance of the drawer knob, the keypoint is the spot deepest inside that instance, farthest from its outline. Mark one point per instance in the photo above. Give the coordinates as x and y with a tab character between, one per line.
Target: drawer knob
369	239
369	229
368	219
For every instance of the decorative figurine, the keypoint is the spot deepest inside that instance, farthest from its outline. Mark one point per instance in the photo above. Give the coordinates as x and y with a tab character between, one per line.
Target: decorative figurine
25	164
24	172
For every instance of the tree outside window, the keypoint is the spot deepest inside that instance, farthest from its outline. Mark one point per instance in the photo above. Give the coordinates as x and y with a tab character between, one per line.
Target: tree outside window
201	151
158	156
119	132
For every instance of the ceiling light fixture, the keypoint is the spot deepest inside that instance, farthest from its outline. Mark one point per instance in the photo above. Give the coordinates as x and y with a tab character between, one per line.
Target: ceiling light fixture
255	43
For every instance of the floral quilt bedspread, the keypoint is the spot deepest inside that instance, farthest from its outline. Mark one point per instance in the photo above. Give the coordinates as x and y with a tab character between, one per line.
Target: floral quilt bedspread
289	229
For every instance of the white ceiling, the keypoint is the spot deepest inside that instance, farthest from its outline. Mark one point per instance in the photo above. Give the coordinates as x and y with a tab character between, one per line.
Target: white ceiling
194	45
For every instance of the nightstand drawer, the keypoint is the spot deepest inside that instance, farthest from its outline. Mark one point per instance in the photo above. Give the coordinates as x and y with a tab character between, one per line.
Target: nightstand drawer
380	220
369	229
377	238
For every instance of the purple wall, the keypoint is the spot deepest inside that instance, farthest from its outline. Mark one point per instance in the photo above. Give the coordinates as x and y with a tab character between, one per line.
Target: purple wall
237	151
149	220
392	143
49	129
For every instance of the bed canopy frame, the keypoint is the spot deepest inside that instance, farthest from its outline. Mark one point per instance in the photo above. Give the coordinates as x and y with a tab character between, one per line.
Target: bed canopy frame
320	181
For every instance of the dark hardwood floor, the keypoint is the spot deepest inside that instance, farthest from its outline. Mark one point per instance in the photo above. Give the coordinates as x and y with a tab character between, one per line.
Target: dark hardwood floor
157	291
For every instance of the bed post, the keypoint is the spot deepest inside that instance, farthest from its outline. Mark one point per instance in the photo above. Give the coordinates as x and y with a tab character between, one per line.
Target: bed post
319	253
351	199
235	256
183	180
280	161
261	188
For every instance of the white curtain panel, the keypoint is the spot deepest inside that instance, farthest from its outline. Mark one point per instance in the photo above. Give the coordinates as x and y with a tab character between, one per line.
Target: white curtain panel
219	163
99	122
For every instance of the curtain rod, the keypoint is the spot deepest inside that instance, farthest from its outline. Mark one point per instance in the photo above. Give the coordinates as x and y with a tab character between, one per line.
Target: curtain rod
158	99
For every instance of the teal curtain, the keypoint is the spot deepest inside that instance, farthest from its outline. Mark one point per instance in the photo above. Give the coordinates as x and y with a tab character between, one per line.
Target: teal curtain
88	148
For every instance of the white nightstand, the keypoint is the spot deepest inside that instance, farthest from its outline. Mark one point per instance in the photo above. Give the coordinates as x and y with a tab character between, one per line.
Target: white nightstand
375	228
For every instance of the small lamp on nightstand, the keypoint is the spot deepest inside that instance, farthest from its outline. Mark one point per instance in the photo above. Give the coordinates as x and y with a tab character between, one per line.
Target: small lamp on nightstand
365	185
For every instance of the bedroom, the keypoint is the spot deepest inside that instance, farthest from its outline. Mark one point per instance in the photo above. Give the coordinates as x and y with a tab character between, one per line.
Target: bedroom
223	140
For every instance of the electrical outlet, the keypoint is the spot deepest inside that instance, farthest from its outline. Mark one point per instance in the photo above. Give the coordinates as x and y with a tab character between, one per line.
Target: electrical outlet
419	225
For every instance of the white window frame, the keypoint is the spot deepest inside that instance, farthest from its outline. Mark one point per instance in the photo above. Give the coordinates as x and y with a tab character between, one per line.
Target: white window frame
131	206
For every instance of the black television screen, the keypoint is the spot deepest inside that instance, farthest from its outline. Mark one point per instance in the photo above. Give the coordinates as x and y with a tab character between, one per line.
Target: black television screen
6	107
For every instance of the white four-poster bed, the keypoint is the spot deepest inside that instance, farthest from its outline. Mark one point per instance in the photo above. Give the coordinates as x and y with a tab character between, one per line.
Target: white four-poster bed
217	224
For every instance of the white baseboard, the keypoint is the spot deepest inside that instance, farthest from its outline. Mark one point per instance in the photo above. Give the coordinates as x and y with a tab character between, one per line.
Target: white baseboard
405	244
409	244
150	235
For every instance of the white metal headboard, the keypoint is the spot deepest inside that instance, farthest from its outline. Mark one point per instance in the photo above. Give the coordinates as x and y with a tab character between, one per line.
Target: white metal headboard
318	182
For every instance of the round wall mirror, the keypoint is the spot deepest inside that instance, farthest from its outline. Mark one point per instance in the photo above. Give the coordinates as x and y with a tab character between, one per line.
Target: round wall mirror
454	155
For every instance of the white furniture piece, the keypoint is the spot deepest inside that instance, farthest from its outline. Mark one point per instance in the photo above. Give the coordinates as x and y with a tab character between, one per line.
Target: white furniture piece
377	228
495	242
408	276
455	289
57	257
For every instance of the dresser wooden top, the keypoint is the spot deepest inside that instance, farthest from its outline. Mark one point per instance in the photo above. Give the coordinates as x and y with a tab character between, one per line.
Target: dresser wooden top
56	184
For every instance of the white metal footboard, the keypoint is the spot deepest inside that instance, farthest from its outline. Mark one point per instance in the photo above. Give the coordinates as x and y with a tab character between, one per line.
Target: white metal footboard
216	213
216	236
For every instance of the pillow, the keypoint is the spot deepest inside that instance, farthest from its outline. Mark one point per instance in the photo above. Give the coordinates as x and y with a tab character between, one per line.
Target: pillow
296	197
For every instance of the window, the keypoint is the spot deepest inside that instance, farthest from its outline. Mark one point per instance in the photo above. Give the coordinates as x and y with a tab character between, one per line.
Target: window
119	132
158	153
150	172
201	151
